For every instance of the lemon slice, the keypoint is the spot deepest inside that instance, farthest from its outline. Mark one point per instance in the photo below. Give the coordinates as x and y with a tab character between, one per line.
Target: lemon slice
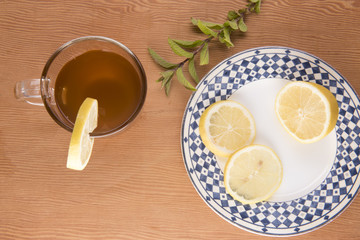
308	111
81	143
253	174
226	126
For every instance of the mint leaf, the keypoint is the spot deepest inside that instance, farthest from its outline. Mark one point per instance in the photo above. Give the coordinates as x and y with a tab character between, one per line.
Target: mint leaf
167	76
178	50
194	21
242	25
161	61
227	39
257	6
233	15
205	29
221	37
192	70
188	44
182	79
204	54
210	25
242	11
160	79
233	24
167	88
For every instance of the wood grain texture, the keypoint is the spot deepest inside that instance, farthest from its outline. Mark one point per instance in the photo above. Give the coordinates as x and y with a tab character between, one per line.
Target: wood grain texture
136	186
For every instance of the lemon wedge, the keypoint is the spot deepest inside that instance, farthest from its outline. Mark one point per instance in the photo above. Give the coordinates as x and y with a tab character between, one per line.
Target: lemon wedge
226	126
308	111
253	174
81	143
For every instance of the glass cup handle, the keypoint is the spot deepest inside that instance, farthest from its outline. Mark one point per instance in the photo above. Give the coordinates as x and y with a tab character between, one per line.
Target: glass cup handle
29	91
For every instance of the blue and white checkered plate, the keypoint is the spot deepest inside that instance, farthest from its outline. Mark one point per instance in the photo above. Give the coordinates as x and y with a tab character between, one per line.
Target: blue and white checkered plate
275	218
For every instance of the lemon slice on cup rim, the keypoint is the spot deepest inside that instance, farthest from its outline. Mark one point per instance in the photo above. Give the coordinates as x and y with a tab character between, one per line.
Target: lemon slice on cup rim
81	143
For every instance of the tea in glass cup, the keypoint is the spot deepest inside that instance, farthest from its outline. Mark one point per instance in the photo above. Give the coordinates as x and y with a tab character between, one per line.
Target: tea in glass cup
96	67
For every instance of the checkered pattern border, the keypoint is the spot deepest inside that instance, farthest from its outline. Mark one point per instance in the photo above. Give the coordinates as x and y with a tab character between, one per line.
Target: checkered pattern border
275	218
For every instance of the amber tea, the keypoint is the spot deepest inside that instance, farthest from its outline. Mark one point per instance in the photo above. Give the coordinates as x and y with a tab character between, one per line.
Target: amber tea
105	76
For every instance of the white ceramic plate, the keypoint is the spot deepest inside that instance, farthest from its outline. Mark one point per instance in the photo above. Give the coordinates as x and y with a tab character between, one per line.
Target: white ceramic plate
320	180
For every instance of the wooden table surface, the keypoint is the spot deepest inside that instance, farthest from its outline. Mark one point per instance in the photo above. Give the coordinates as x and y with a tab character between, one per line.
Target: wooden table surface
135	185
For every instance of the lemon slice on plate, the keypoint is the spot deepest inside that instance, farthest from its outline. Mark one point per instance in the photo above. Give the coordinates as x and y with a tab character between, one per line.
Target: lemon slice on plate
253	174
81	143
308	111
226	126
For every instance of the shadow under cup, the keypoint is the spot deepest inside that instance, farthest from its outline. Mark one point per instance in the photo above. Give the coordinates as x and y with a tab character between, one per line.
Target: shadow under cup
99	68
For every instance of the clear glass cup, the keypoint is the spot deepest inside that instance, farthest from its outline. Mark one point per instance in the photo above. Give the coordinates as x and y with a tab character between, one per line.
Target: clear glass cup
42	91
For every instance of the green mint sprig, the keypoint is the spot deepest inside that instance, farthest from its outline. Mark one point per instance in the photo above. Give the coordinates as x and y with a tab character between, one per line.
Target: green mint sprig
190	49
